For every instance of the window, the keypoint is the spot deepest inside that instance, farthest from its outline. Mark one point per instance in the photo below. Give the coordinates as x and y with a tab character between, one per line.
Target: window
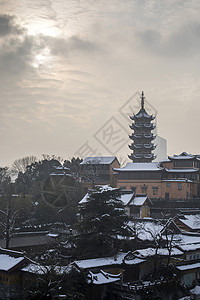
155	190
192	256
166	196
168	184
144	189
183	163
179	184
133	188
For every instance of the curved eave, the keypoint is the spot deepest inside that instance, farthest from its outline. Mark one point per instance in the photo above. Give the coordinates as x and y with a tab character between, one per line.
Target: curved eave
150	126
151	137
149	146
144	167
181	157
137	135
181	170
142	114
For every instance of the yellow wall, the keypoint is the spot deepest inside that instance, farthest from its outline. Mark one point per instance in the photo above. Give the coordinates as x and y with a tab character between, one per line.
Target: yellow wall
139	184
9	279
145	211
187	190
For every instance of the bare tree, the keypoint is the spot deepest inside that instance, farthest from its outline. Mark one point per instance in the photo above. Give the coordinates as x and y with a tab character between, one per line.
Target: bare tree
4	179
92	171
52	157
157	242
8	217
171	241
10	208
51	279
19	165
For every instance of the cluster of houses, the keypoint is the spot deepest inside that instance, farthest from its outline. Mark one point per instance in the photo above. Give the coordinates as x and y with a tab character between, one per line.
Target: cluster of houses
163	199
127	275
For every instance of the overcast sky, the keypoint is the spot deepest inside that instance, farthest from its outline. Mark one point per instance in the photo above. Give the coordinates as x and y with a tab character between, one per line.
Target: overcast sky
68	69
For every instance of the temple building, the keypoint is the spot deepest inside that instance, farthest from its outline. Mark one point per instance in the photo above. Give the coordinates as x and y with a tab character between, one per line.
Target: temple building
174	178
142	136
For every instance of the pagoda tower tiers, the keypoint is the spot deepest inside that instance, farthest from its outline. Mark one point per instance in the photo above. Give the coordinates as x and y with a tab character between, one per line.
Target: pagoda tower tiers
142	136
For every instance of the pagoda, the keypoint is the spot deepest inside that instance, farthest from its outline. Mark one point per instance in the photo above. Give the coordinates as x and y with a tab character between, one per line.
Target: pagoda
142	136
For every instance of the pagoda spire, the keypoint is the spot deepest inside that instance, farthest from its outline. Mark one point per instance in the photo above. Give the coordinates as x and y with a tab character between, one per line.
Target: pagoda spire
142	100
142	145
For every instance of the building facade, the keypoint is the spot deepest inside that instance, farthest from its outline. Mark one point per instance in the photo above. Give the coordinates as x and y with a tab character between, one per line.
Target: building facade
175	178
98	171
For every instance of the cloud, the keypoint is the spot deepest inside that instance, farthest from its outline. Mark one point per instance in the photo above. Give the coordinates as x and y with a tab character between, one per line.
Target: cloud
7	26
15	50
66	47
180	43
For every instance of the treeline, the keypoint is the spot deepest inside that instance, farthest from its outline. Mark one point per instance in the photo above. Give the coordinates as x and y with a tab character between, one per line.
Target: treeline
27	190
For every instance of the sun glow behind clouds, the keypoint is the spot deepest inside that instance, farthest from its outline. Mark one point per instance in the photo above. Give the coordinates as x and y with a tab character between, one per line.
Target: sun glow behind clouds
43	58
43	28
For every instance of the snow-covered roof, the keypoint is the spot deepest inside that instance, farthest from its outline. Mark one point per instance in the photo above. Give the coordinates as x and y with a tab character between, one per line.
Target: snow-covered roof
188	267
189	170
29	239
142	113
84	199
139	200
126	198
108	261
195	290
177	180
8	262
190	247
185	239
100	262
104	160
192	221
151	166
183	155
103	277
143	253
134	261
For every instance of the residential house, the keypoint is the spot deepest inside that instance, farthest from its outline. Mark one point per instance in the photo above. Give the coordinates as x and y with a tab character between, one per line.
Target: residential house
136	205
99	170
11	280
